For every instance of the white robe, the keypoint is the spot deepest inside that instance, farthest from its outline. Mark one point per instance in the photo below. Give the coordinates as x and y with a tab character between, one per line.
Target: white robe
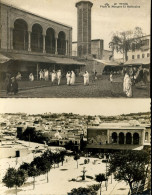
53	76
111	78
41	75
127	86
46	75
86	78
59	77
72	80
68	77
31	77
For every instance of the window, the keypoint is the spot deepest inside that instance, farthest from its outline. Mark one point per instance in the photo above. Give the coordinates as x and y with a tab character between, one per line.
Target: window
148	55
143	55
146	136
138	56
133	57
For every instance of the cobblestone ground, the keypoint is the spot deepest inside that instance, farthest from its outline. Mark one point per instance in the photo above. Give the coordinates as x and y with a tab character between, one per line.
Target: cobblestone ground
101	88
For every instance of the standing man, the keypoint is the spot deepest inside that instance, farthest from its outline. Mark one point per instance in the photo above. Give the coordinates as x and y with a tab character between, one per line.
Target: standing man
72	80
41	74
59	76
53	77
86	78
68	77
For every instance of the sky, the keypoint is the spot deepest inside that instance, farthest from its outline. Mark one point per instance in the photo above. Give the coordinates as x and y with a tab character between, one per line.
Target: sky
105	21
106	107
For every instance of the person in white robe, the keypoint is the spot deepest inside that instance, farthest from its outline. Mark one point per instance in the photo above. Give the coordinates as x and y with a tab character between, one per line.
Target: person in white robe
31	77
86	78
127	85
53	76
46	75
59	76
72	79
111	77
41	73
68	77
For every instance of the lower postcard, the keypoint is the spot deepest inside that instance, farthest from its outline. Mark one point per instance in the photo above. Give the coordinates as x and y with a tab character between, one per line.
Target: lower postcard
75	146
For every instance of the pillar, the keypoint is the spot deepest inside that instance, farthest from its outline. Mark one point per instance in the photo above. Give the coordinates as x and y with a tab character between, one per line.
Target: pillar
124	138
29	40
66	47
11	37
132	139
44	51
56	45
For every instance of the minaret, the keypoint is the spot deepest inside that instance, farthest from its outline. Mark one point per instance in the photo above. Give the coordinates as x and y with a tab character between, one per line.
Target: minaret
84	28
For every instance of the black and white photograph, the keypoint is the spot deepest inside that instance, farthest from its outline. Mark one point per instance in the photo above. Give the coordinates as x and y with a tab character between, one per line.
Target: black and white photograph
74	49
67	150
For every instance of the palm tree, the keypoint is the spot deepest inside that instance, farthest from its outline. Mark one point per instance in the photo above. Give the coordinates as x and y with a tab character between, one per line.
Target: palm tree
100	178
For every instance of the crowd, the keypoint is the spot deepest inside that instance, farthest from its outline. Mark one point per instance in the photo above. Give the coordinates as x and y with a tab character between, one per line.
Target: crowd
131	76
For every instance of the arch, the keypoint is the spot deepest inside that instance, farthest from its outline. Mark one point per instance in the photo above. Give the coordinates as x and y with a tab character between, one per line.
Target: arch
128	138
114	137
121	138
146	136
20	35
136	138
61	44
37	38
50	41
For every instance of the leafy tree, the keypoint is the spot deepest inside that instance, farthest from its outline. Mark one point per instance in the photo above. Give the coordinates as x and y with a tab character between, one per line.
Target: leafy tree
129	166
82	191
15	178
100	178
77	157
124	41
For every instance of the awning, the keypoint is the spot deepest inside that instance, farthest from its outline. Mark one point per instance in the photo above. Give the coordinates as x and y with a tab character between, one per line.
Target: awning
66	61
3	59
107	62
30	58
138	61
40	58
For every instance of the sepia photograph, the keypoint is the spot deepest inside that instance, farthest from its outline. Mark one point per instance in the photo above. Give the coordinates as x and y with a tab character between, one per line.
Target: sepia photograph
74	149
74	49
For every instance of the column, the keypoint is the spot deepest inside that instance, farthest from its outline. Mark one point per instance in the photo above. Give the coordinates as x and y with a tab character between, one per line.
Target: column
66	47
29	40
124	138
132	139
117	138
56	45
44	51
11	37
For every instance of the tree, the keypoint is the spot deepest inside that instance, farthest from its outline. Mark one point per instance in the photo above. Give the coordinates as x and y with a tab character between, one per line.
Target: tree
129	166
100	178
77	157
15	178
83	191
124	41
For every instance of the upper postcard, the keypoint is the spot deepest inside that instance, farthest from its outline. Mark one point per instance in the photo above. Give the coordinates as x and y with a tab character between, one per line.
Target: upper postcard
75	49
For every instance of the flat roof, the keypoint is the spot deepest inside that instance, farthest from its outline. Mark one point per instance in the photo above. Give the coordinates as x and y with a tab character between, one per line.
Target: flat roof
6	4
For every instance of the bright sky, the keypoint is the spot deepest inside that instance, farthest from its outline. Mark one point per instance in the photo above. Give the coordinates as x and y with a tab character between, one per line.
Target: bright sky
107	107
104	20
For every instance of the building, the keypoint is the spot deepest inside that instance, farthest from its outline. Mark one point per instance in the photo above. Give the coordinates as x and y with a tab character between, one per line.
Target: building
29	42
84	27
118	136
139	52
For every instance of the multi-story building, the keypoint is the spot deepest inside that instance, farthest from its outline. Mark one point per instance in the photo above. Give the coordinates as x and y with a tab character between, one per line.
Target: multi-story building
29	42
139	52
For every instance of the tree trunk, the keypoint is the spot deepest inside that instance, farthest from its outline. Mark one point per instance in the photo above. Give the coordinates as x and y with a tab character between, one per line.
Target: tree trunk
47	177
77	164
131	188
16	189
33	183
100	188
